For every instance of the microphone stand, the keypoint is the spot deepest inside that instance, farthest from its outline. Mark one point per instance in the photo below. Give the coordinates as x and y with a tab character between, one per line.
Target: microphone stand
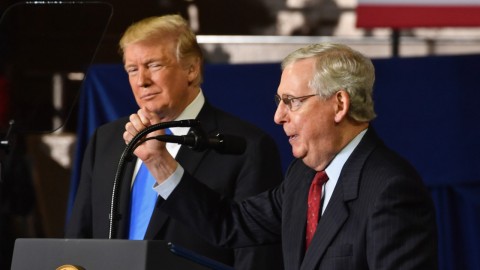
114	216
5	145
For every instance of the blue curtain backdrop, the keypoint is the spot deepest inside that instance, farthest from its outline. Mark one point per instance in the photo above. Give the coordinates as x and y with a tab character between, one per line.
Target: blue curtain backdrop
428	111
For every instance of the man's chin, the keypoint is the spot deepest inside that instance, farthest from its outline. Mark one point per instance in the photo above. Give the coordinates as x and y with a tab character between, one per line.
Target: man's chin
298	155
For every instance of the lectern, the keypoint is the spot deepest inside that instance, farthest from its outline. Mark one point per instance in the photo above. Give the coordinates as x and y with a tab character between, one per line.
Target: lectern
105	254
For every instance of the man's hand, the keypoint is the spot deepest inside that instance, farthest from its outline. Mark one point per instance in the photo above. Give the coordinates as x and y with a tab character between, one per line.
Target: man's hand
152	152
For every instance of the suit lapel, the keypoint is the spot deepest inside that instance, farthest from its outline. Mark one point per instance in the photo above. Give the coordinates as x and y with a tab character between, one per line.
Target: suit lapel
295	214
337	211
124	202
190	160
330	223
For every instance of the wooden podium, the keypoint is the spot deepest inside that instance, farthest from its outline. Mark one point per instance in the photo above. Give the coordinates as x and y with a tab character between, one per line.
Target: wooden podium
104	254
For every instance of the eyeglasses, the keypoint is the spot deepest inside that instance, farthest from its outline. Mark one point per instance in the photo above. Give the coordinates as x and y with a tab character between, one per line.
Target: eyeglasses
293	103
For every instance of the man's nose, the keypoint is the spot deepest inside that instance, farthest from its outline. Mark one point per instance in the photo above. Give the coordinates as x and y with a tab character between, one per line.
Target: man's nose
280	113
143	79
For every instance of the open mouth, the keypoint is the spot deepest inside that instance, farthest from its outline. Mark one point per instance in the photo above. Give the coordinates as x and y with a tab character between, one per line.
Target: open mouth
292	137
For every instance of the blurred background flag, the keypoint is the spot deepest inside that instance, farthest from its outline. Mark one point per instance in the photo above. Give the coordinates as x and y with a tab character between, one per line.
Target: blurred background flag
417	13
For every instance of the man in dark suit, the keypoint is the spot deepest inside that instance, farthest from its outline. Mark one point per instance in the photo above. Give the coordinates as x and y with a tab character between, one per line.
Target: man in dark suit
164	66
373	212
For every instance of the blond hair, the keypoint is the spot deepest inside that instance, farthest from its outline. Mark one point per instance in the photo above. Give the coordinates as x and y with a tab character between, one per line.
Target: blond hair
187	48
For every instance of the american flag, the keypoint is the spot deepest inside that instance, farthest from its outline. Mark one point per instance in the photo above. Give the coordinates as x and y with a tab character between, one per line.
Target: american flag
418	13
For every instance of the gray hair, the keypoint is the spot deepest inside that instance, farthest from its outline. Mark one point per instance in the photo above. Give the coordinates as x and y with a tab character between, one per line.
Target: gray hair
339	67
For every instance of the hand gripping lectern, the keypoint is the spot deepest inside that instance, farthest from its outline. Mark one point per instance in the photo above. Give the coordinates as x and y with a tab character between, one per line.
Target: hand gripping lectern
105	254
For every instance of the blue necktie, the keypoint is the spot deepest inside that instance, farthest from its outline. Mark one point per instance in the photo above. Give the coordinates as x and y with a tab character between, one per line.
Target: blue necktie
142	202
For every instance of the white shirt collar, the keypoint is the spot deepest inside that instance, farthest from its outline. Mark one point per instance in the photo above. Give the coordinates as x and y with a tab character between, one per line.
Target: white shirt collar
190	112
334	169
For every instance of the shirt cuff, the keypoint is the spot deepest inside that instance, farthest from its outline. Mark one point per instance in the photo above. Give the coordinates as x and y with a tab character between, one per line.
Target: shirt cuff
166	188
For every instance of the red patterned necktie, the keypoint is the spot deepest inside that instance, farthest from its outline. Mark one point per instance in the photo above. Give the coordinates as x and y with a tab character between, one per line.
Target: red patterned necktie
314	205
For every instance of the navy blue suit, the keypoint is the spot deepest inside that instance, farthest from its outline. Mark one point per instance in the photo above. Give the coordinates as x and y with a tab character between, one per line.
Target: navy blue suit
380	215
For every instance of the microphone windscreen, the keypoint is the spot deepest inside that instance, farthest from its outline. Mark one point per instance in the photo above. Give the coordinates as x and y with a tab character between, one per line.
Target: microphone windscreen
229	144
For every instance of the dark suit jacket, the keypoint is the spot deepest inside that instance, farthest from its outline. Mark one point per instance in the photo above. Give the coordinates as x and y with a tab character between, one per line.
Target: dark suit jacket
234	176
380	216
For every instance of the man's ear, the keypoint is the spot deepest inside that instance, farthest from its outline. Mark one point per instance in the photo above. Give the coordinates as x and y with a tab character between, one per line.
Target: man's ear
193	69
342	99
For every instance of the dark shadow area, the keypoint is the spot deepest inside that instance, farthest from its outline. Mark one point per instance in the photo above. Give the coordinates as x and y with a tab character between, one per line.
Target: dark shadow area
41	43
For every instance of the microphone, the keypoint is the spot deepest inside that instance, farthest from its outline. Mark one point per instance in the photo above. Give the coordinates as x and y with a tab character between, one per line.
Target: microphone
196	139
222	143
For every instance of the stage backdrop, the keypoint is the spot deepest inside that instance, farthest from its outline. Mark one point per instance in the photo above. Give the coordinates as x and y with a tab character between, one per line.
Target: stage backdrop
428	111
